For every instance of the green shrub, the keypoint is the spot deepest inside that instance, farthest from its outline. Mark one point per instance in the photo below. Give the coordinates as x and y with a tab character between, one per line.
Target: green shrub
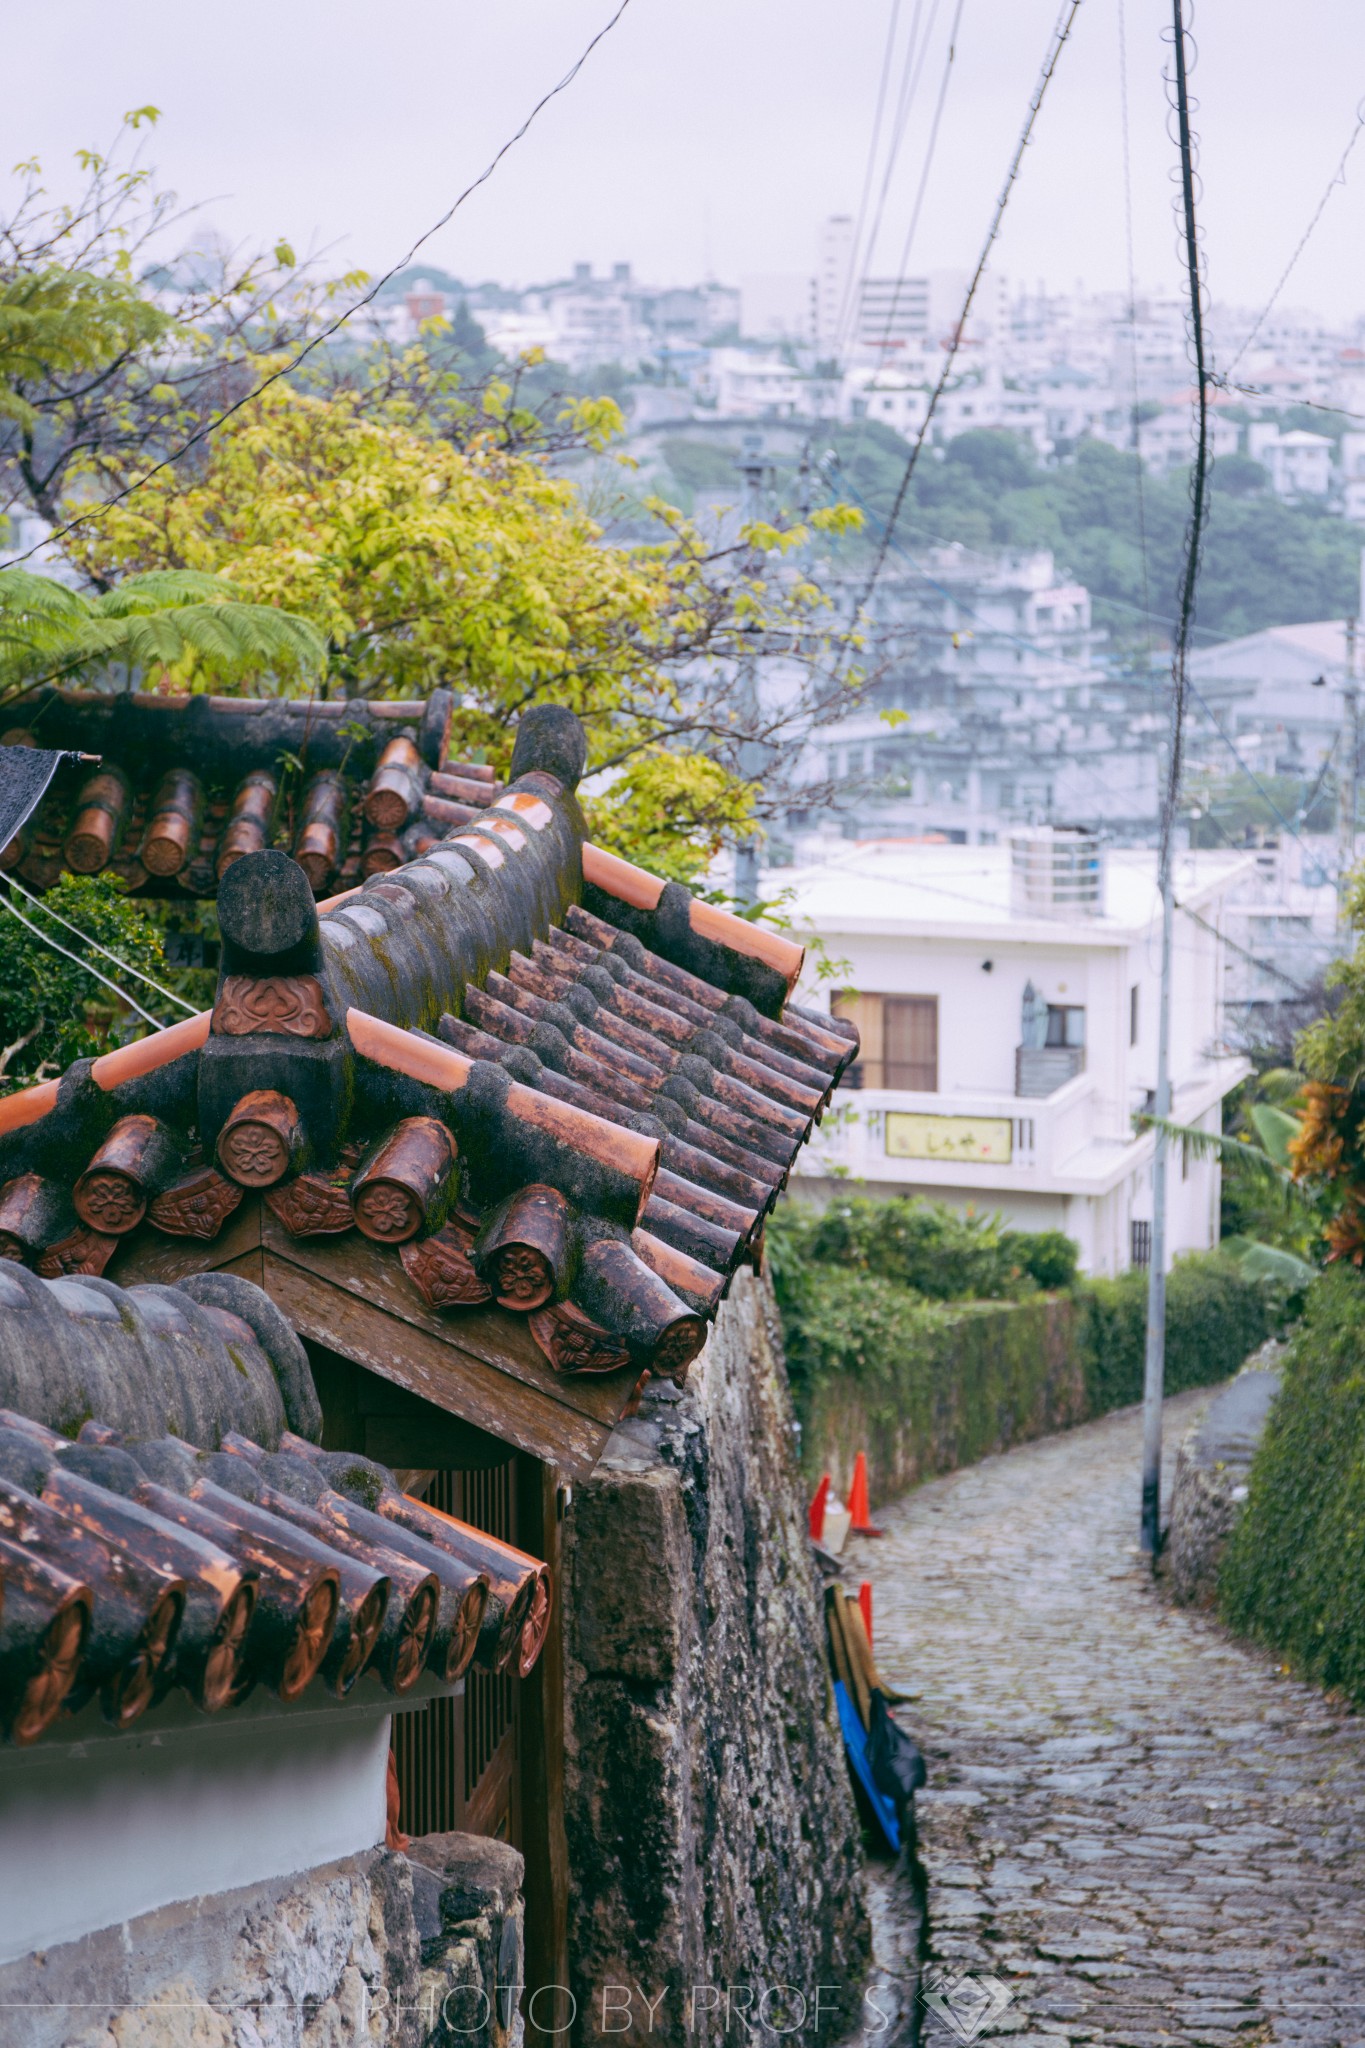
1049	1257
942	1253
1293	1575
936	1383
923	1386
1215	1317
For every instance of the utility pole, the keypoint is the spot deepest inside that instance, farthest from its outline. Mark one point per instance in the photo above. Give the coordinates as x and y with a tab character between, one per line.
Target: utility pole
1348	777
751	759
1154	1378
1154	1375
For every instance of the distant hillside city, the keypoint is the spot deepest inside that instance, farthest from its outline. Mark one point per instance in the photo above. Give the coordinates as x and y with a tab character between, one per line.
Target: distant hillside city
1019	652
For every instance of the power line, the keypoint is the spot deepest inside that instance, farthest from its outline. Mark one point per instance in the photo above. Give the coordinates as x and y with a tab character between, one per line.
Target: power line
1132	314
1060	33
84	965
123	965
325	334
1338	178
930	150
912	68
873	143
1245	952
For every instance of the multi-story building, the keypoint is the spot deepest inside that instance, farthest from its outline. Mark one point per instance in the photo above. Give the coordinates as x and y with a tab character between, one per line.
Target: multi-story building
1299	464
1007	998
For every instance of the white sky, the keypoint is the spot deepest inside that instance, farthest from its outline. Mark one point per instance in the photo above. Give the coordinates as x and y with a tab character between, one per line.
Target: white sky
709	135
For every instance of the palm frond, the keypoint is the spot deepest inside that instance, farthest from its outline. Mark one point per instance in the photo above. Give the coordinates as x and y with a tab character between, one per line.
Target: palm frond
1276	1129
1268	1261
1213	1145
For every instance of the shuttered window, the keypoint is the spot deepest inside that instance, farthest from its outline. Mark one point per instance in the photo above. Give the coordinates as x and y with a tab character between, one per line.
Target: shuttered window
899	1039
910	1036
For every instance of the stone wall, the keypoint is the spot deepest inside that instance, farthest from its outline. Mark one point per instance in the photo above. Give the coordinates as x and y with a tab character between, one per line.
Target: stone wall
713	1845
379	1950
1212	1471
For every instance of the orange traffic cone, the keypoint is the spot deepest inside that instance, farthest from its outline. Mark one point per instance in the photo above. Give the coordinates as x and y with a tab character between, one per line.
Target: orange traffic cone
861	1524
817	1510
865	1602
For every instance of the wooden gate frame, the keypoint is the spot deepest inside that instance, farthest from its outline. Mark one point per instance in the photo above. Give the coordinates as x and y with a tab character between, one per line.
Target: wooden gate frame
480	1389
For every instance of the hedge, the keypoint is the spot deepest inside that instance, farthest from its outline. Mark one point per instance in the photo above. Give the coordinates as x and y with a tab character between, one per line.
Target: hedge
944	1254
1293	1574
1215	1317
927	1386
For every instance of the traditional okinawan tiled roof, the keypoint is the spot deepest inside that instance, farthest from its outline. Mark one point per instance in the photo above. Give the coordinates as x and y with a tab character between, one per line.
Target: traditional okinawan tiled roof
539	1075
133	1565
185	786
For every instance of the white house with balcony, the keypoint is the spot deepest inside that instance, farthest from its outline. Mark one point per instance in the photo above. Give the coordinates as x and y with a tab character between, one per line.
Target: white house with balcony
1007	1001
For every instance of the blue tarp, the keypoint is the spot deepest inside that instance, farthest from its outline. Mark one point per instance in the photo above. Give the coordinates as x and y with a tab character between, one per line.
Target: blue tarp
855	1742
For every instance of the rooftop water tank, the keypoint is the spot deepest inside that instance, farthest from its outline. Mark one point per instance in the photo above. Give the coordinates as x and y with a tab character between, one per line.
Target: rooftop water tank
1056	871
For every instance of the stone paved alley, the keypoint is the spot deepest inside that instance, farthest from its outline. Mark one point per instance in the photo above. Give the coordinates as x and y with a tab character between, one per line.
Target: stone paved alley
1141	1828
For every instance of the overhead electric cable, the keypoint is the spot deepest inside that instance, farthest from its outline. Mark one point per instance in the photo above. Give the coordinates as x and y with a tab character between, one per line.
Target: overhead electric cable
1338	177
333	327
930	148
124	966
1060	33
874	141
912	65
1139	475
84	965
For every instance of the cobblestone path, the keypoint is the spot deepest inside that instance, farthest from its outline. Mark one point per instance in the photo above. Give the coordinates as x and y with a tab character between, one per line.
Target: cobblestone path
1142	1829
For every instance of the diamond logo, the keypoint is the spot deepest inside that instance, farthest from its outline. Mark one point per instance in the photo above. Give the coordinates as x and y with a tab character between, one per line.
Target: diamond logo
962	2002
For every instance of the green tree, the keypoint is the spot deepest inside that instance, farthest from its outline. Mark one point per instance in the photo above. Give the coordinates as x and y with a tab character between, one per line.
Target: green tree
1265	563
464	557
167	624
105	364
53	1011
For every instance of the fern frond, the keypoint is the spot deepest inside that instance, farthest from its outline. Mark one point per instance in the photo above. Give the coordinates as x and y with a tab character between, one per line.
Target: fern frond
159	620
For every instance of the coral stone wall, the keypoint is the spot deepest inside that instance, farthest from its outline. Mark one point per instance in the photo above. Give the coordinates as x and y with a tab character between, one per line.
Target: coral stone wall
379	1949
714	1850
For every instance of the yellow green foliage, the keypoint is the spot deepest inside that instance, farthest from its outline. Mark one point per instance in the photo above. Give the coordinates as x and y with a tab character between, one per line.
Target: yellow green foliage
426	561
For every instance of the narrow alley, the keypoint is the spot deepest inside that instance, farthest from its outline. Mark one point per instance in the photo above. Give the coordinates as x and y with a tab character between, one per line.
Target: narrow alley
1144	1832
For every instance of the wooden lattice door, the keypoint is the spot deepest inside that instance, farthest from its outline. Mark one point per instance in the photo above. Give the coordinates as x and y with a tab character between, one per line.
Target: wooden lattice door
457	1759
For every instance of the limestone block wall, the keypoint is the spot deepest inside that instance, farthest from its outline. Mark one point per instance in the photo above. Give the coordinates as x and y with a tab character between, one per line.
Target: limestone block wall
713	1846
379	1949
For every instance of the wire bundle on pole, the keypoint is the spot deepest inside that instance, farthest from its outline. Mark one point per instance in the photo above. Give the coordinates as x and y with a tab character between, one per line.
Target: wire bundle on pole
1155	1372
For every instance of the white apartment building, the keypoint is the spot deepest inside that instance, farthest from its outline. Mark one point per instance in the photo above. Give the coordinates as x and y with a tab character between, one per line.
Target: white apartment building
833	277
1007	999
1352	475
1299	464
1280	695
1166	441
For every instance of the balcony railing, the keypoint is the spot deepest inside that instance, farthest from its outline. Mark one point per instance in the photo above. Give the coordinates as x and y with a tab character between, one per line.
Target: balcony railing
893	1134
1041	1070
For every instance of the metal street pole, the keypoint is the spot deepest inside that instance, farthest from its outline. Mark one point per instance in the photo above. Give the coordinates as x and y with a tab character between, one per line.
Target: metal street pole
1153	1386
1348	779
1155	1374
751	468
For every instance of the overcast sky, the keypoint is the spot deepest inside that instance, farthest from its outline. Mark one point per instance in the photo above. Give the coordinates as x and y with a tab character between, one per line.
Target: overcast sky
711	136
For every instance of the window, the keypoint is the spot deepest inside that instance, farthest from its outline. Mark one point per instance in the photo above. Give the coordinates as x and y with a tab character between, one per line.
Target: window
911	1042
1134	1014
1065	1024
900	1040
1141	1250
